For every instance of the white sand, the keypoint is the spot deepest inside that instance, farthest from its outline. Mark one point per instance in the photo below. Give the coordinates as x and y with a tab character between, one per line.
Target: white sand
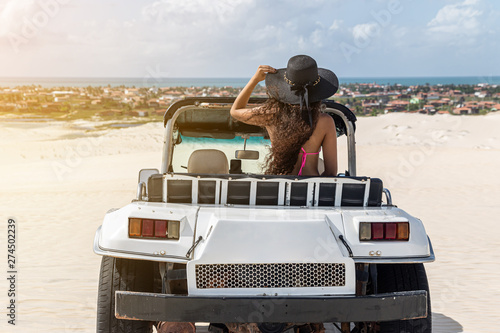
58	180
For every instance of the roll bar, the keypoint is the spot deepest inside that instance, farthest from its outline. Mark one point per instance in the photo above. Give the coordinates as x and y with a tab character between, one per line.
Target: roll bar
351	139
336	110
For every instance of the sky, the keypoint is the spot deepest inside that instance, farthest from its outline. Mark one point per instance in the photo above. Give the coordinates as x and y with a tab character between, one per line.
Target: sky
230	38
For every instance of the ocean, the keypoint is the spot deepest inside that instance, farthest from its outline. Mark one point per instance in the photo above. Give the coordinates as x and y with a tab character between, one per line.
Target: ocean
54	82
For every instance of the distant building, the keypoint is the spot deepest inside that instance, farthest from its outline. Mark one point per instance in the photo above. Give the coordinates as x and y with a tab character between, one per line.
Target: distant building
428	108
462	110
443	112
109	113
154	103
397	105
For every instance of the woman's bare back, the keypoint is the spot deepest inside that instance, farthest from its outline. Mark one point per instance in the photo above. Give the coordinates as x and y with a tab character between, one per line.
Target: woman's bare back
324	137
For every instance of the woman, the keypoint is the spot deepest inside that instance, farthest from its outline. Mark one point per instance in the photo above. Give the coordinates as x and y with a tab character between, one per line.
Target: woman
292	117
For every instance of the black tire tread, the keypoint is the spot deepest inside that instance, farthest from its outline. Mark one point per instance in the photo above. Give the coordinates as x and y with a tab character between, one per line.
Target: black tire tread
404	277
121	274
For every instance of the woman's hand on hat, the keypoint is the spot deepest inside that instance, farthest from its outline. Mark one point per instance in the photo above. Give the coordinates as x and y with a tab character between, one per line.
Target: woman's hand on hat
260	75
238	109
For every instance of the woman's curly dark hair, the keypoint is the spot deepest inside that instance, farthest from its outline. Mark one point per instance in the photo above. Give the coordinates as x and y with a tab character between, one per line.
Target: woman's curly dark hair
293	127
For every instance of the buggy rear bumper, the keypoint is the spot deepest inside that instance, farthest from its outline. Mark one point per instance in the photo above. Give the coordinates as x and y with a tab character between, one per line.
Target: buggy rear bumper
276	309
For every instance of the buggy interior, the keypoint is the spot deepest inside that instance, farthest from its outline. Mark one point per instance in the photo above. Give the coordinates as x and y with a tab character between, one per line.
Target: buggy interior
207	140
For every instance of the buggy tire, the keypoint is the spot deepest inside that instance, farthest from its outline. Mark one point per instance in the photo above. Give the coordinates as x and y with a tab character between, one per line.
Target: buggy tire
404	277
122	274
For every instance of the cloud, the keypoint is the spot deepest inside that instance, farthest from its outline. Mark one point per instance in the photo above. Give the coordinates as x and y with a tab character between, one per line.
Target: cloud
336	25
462	19
25	24
229	38
183	38
237	32
195	11
365	30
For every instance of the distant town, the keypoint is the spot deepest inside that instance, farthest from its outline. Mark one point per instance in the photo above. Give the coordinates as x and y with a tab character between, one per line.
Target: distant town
119	102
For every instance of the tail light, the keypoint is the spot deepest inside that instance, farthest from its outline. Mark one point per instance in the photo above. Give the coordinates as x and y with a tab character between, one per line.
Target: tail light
375	231
153	229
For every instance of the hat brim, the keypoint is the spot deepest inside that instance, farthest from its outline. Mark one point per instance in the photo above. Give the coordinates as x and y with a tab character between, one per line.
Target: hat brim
281	90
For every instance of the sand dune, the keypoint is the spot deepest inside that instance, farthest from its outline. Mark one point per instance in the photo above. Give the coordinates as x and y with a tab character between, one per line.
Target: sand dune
58	180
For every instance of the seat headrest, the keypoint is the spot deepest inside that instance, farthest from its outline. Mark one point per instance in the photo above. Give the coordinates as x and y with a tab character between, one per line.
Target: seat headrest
208	161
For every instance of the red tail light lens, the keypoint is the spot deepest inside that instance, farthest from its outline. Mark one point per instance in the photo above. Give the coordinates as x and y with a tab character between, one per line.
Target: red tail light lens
153	229
161	229
391	230
370	231
377	231
148	228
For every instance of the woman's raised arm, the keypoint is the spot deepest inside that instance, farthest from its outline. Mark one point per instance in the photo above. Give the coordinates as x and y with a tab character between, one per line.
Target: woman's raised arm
239	110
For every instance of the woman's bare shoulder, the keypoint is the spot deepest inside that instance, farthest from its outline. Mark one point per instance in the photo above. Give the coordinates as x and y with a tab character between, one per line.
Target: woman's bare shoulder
325	121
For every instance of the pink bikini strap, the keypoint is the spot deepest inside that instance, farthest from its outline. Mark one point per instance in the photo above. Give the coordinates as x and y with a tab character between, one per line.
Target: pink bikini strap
304	157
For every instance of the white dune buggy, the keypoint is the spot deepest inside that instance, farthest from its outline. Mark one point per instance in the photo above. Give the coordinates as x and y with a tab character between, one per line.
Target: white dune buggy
209	239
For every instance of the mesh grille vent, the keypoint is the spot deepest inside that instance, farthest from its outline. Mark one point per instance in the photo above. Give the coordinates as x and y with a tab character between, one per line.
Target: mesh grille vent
287	275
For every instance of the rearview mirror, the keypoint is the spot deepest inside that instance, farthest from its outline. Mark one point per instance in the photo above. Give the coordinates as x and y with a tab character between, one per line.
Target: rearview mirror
247	154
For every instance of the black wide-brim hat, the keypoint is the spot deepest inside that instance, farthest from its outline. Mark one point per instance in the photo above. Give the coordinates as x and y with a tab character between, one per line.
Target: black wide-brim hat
302	78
